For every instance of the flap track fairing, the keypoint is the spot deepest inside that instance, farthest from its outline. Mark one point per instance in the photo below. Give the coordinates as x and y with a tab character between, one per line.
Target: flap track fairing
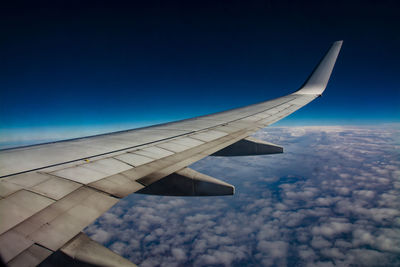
249	147
188	182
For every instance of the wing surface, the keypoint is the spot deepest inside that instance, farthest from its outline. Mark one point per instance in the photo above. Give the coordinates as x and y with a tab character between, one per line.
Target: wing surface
50	192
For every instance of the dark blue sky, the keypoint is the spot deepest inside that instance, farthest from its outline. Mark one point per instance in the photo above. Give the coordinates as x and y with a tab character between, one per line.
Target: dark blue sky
159	61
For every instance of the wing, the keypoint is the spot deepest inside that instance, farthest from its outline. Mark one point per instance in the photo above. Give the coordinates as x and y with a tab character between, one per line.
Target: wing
51	192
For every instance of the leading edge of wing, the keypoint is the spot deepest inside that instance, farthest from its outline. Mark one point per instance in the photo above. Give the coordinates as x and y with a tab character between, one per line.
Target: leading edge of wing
313	87
317	81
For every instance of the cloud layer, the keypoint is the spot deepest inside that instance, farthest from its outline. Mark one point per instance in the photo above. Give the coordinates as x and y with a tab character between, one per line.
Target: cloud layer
332	199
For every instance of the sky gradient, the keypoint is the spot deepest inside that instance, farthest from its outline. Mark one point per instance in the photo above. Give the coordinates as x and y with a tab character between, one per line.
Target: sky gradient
330	200
99	68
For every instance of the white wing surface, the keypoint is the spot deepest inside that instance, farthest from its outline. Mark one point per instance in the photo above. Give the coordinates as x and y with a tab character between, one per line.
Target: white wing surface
50	192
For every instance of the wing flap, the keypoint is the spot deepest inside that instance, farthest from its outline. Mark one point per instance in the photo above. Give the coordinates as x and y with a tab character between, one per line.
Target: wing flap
30	257
83	249
19	206
13	243
55	232
47	223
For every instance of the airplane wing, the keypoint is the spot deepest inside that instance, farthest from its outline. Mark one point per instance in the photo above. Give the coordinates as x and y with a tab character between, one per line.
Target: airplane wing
50	192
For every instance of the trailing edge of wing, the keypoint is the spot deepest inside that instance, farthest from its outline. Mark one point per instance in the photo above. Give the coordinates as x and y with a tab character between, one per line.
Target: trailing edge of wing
84	250
316	83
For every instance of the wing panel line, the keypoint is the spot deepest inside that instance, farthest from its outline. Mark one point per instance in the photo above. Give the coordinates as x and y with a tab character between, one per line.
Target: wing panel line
148	143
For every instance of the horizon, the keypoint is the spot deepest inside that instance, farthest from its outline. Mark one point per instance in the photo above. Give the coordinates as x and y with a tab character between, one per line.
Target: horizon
70	71
23	137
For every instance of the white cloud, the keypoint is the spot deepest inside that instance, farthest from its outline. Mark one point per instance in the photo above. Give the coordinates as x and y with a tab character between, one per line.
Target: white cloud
332	229
179	254
331	199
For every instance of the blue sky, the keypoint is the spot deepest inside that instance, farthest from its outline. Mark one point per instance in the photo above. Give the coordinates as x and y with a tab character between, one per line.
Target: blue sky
105	67
331	199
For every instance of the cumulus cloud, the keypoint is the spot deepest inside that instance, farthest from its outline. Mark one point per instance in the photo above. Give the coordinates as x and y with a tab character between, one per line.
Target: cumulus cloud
332	199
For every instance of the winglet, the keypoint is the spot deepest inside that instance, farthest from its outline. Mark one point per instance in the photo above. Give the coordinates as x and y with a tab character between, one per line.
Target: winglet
316	83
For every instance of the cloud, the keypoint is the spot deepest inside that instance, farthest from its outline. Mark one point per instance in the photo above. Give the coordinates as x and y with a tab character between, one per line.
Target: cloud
332	229
179	254
330	200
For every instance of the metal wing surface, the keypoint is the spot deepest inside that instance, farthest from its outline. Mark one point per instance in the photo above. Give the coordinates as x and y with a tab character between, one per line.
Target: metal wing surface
50	192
